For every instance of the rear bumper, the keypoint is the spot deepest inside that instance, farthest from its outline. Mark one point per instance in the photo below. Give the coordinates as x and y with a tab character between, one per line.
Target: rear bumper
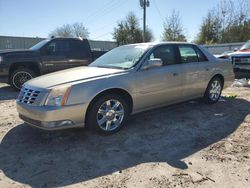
229	79
53	118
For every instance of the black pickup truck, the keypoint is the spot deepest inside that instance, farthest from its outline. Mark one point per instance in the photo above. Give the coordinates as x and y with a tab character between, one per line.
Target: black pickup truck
19	66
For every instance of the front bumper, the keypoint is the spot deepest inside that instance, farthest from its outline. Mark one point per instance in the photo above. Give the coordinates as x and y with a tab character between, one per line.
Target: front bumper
52	118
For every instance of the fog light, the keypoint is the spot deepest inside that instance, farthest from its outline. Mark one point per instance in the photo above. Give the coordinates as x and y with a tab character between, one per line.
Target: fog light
55	124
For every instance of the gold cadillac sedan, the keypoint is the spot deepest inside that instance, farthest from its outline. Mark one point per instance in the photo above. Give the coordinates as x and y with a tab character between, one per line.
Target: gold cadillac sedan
127	80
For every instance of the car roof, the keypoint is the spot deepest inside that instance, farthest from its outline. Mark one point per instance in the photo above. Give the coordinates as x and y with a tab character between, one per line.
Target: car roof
66	38
150	44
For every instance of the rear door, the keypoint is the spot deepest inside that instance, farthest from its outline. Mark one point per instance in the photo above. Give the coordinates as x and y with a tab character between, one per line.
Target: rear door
196	69
161	85
80	53
55	55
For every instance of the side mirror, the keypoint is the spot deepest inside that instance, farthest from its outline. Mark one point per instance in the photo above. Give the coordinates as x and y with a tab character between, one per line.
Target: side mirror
235	49
152	63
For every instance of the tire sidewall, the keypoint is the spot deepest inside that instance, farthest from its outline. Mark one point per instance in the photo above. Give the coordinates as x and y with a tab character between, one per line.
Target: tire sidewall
91	122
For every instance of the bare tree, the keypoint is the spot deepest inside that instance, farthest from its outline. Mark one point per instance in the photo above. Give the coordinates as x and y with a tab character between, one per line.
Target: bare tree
173	28
71	30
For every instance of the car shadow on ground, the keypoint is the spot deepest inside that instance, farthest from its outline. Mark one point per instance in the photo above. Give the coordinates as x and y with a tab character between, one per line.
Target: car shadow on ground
8	93
51	159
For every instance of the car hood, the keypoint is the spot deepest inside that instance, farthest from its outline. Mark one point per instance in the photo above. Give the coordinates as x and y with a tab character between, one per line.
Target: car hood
10	51
78	74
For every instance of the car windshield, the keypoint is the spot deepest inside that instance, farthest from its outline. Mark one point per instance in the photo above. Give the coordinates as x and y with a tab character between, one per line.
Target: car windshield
246	46
123	57
39	45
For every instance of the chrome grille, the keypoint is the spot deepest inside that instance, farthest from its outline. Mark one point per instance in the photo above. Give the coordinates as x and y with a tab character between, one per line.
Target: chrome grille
27	95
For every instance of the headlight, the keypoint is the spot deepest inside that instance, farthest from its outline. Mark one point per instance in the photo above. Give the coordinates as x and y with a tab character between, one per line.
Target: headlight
58	96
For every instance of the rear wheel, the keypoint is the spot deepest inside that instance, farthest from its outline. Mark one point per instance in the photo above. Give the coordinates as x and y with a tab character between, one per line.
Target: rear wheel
19	76
213	92
107	114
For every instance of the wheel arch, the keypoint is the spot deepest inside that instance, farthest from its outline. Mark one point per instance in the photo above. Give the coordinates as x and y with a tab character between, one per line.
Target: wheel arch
219	75
34	66
119	91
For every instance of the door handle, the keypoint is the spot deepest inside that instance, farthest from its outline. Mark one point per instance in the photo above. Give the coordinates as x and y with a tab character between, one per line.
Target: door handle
175	74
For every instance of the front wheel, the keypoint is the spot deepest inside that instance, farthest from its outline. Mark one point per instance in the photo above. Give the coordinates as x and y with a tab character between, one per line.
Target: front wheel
20	76
213	91
107	114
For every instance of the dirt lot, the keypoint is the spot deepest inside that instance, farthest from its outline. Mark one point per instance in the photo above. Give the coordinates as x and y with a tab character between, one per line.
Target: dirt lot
186	145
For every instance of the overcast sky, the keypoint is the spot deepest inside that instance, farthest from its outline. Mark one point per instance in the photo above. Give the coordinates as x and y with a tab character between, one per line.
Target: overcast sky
33	18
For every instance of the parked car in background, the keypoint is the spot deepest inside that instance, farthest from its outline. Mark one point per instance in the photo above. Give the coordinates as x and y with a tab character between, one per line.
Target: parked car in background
241	60
126	80
19	66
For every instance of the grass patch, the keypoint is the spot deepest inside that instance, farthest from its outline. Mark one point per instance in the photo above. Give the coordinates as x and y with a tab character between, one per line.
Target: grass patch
231	96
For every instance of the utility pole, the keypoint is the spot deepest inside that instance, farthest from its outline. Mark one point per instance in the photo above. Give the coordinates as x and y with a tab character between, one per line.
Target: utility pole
144	4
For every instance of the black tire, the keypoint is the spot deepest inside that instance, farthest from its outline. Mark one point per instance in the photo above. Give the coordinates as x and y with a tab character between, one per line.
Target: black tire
19	76
94	114
208	96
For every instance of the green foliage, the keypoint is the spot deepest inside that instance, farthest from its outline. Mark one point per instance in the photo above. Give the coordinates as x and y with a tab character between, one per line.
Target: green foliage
228	22
173	29
209	30
128	31
231	96
237	33
71	30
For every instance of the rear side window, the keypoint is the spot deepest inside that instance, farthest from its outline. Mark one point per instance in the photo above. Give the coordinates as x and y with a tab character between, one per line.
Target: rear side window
79	49
188	54
166	53
200	54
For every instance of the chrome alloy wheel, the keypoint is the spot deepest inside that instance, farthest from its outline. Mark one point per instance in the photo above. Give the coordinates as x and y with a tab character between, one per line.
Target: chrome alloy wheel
20	78
110	115
215	90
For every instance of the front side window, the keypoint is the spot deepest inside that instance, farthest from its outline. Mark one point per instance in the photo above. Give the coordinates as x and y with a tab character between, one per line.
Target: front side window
188	54
166	53
58	47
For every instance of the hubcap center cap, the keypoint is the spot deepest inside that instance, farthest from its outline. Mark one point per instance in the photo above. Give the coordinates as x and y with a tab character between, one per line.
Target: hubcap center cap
110	115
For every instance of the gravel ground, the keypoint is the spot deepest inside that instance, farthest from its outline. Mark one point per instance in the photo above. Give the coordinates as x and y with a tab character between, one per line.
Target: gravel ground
186	145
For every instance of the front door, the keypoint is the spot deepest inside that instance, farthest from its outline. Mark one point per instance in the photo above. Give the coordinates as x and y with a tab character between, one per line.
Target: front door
160	85
55	55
